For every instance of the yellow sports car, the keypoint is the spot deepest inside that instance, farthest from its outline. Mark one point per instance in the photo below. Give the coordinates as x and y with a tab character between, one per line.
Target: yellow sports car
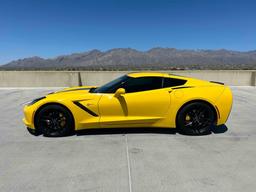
133	100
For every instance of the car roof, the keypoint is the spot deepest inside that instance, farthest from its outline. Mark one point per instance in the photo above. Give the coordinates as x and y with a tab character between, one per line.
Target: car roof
146	74
152	74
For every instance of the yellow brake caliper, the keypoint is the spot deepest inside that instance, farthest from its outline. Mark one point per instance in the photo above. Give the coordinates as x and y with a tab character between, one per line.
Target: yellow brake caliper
187	117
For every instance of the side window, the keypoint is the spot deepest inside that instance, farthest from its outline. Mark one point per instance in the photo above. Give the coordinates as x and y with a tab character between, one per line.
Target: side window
171	82
142	84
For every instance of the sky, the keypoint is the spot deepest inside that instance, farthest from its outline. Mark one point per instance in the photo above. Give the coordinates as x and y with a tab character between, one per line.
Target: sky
48	28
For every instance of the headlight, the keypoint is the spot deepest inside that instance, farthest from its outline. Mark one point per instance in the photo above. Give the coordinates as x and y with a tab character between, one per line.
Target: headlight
34	101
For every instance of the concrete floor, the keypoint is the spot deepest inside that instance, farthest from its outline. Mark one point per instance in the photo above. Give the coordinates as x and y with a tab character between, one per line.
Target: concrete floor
134	161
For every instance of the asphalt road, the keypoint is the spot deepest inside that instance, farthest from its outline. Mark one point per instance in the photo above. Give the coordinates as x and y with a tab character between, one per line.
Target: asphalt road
128	160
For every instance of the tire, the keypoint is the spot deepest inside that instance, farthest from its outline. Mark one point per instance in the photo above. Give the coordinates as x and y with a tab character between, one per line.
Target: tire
195	118
33	131
54	121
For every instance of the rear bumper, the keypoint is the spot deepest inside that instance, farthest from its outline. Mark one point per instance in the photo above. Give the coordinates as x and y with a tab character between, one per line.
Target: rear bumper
224	105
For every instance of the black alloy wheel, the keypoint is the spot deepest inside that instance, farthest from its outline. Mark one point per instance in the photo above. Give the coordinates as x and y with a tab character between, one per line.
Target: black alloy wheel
54	121
196	119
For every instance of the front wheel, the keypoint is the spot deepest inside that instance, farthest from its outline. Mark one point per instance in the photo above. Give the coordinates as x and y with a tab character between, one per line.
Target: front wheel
195	119
54	121
33	131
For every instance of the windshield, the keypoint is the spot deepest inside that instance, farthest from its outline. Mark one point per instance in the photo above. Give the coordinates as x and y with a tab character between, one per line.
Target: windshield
111	86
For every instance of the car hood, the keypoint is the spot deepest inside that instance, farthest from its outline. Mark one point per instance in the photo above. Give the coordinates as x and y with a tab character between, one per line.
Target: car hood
72	92
75	89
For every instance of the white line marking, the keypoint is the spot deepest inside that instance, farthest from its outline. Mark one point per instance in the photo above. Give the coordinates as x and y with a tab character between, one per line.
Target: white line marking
128	164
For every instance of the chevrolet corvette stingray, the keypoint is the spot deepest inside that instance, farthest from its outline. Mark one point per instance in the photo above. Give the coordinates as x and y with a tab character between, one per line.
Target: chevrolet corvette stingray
148	99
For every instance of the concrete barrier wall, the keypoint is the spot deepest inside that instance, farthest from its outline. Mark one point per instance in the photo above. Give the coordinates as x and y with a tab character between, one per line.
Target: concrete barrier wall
240	78
75	78
38	79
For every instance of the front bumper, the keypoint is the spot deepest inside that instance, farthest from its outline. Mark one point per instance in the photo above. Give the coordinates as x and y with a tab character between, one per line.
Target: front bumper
28	117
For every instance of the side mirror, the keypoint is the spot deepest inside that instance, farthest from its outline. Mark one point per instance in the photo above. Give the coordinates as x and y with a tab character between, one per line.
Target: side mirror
119	92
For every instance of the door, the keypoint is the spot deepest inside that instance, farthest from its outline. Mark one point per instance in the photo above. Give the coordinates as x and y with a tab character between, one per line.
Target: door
144	103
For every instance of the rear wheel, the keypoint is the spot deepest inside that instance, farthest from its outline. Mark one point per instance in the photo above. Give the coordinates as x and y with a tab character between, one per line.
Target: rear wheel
54	121
196	119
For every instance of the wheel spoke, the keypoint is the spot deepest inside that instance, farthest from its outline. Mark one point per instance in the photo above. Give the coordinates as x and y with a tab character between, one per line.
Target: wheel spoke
206	122
189	124
196	128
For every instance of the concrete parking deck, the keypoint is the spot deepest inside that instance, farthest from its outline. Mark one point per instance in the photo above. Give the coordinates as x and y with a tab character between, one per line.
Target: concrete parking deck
128	160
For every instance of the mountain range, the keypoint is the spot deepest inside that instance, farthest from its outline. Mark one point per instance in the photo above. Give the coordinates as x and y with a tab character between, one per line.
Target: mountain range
131	59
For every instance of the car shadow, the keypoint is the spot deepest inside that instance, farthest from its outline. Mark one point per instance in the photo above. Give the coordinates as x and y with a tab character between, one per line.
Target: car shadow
107	131
110	131
219	129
